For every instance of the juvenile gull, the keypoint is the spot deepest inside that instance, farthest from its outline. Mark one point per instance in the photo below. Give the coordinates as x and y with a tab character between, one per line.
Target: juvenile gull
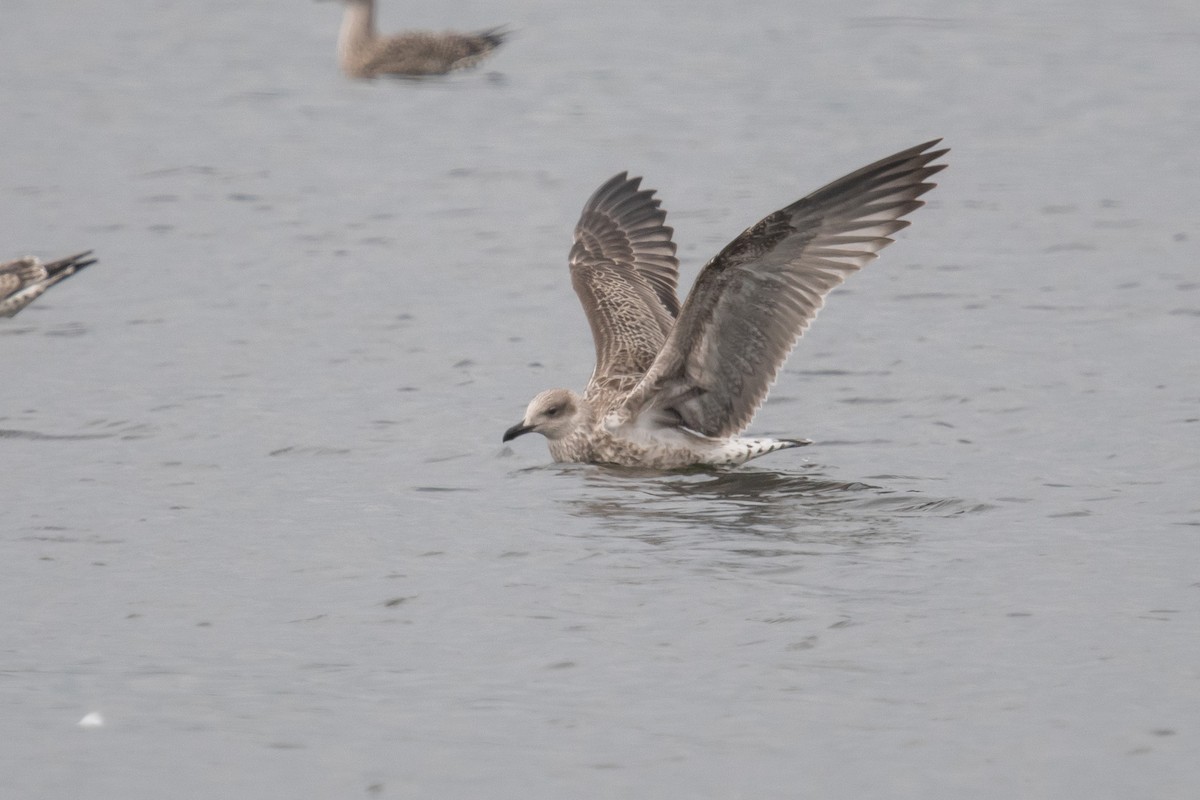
23	281
363	53
674	386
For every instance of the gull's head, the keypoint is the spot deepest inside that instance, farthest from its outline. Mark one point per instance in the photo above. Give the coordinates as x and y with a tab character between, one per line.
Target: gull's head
554	413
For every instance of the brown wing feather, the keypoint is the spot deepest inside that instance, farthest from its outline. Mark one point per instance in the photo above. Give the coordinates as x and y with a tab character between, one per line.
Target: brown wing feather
760	293
24	280
623	268
427	53
10	282
21	272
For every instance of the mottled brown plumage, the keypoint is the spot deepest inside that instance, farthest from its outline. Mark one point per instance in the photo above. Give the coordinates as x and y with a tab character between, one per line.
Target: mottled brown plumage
675	385
24	280
623	268
363	53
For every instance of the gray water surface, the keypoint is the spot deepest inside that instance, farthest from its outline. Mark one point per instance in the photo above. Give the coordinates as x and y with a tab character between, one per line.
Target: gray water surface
255	511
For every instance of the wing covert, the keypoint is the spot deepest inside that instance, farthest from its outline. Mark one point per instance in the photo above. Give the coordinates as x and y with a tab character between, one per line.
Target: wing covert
754	300
623	268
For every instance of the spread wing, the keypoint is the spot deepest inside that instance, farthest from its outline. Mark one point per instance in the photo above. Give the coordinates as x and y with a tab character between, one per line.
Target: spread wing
758	295
623	268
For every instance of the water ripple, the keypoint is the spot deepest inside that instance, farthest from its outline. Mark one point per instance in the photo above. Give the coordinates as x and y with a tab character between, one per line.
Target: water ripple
764	504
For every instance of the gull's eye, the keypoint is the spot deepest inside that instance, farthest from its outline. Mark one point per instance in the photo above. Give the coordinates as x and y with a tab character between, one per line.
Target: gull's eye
552	411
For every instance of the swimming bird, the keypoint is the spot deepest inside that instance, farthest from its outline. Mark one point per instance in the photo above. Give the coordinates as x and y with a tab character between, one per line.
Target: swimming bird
675	385
22	281
363	53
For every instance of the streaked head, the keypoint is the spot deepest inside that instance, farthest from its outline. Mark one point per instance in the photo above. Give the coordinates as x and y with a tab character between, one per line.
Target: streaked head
554	413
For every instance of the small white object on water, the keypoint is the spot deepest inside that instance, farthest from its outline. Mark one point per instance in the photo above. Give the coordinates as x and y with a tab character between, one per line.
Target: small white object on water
92	720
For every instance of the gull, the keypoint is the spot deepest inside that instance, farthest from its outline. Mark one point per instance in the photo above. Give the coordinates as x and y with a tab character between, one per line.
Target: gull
675	385
22	281
363	53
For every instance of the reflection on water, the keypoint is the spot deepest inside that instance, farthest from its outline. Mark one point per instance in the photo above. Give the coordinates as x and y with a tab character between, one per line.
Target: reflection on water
35	435
94	429
760	507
